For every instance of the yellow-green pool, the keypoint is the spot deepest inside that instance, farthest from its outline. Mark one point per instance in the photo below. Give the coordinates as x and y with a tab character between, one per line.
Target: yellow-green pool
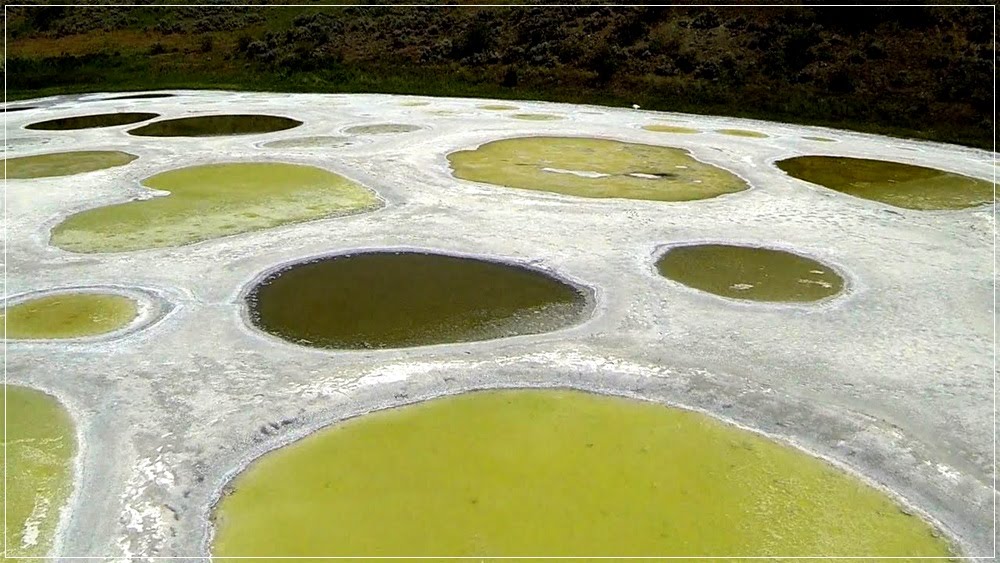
69	315
742	133
750	272
660	128
65	163
594	168
39	448
554	473
211	201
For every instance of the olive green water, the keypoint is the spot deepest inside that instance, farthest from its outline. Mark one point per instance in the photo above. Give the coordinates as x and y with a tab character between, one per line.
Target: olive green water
65	163
39	450
537	116
213	201
497	107
596	168
747	272
554	473
742	133
318	142
215	125
414	103
382	129
401	299
69	315
820	139
894	183
670	129
91	121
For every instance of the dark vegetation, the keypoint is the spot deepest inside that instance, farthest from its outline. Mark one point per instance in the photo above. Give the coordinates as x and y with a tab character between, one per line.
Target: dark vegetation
915	71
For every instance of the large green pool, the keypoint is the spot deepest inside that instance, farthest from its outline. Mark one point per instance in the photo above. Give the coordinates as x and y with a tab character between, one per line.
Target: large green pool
213	201
595	168
554	473
39	448
400	299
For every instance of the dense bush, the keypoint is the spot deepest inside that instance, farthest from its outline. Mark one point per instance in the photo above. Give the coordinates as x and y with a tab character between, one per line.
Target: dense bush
925	69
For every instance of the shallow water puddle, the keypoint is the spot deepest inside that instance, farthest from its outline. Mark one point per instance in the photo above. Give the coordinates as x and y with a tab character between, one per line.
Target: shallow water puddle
749	272
149	96
401	299
91	121
537	116
596	168
742	133
497	107
894	183
65	163
414	103
382	129
554	473
69	315
39	447
820	139
318	142
216	125
670	129
212	201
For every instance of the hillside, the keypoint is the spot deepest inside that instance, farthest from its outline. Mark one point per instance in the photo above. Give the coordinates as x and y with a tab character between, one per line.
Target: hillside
924	71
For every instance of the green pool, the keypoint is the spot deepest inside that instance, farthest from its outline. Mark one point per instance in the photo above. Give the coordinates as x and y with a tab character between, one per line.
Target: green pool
92	121
742	133
594	168
659	128
894	183
69	315
216	125
39	445
401	299
211	201
750	272
554	473
65	163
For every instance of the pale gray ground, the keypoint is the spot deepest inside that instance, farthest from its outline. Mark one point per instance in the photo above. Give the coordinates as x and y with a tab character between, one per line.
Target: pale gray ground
893	380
